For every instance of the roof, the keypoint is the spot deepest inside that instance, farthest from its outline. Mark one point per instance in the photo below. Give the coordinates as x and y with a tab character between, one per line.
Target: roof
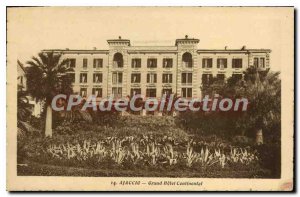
233	50
72	51
187	41
119	41
152	49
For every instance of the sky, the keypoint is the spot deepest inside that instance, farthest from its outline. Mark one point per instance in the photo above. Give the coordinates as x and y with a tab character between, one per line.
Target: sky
30	30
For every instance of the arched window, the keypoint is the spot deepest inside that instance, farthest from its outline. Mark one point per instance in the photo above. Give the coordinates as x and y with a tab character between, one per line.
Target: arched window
187	60
118	60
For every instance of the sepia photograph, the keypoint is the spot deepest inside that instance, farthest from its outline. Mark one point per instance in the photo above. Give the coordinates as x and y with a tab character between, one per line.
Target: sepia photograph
150	98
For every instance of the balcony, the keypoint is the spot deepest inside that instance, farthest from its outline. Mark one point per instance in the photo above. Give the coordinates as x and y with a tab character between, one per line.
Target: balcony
222	67
187	64
98	68
187	84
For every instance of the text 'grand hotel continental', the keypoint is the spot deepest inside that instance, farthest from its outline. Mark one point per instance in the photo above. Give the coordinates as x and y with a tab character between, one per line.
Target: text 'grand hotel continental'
152	71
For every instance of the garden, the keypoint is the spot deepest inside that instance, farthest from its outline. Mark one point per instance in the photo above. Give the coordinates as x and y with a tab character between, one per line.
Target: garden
137	146
190	144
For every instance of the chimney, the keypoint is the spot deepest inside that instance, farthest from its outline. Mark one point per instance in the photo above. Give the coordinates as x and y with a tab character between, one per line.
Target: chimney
225	47
244	47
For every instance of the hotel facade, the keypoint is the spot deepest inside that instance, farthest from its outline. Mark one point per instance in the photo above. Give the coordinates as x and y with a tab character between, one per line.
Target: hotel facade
124	70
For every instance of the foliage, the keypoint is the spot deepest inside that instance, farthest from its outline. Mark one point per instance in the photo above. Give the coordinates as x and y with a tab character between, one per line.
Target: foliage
46	76
270	155
144	151
262	88
151	144
75	115
23	106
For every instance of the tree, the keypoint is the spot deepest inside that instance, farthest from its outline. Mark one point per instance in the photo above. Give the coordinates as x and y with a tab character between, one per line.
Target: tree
262	88
215	86
46	77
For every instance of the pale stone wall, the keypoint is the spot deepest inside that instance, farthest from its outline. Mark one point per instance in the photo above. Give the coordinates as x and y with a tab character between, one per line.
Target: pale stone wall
158	52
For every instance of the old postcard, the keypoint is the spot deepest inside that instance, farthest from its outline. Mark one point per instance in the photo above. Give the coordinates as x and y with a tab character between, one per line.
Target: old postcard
150	98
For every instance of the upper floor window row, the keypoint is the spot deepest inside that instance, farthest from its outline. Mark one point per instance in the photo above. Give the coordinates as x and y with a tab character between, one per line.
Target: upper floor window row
222	63
152	63
208	63
83	77
168	63
97	63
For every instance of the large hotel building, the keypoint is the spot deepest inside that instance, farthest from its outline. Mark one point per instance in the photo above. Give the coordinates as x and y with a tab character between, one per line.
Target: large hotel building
124	70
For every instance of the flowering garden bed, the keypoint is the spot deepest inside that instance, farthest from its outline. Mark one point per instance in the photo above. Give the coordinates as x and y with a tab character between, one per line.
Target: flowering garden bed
136	149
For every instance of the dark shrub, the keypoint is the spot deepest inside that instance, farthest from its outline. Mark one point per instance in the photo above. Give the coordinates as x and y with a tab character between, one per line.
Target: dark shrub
270	158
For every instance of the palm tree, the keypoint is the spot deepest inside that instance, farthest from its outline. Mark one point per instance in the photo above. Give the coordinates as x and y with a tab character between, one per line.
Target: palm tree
47	77
263	90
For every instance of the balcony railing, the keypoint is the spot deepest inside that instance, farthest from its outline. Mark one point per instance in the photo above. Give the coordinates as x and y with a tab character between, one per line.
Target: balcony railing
117	83
98	67
187	64
117	64
186	84
222	67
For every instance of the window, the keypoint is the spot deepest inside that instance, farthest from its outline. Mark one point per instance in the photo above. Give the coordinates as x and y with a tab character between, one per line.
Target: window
117	92
167	91
152	63
135	91
118	60
83	77
262	62
187	60
186	78
136	78
151	92
97	63
83	92
136	63
72	77
237	63
97	92
72	62
84	63
222	63
186	92
117	77
151	78
167	63
97	78
237	76
167	78
207	63
221	77
255	62
207	79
